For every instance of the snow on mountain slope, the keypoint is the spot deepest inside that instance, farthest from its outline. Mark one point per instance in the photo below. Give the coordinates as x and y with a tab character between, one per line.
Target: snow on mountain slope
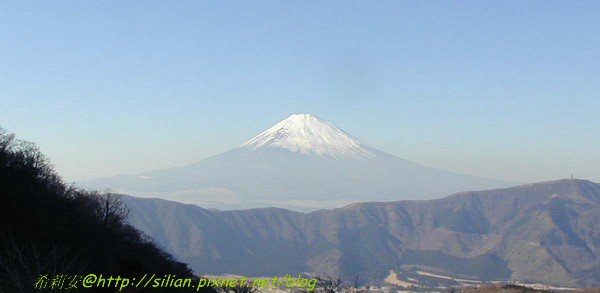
307	134
302	163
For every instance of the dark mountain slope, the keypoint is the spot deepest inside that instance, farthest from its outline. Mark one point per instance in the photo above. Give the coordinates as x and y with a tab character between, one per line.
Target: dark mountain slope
47	227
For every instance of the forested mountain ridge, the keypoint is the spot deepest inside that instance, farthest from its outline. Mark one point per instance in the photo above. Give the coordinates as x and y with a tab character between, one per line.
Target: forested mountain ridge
546	232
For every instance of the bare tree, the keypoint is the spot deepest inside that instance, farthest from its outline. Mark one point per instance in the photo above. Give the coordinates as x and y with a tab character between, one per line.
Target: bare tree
112	211
329	284
21	264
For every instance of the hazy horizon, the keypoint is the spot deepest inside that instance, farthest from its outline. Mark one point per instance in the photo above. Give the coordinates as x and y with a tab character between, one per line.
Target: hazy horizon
504	90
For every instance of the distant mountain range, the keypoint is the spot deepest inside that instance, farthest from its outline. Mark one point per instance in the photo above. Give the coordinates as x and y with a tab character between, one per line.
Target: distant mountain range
301	163
546	232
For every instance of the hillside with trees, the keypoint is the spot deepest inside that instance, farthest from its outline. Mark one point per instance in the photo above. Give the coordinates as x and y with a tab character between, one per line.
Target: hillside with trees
49	227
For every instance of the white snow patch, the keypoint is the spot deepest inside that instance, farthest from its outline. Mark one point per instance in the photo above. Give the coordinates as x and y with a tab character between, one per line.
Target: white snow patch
393	279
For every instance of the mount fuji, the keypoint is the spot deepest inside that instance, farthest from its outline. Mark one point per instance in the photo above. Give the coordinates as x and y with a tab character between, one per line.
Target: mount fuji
301	163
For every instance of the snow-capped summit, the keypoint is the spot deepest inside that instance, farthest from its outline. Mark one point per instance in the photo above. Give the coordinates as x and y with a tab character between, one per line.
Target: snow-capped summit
301	163
308	134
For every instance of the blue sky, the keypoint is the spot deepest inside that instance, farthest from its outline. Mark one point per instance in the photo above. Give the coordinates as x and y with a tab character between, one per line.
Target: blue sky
502	89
